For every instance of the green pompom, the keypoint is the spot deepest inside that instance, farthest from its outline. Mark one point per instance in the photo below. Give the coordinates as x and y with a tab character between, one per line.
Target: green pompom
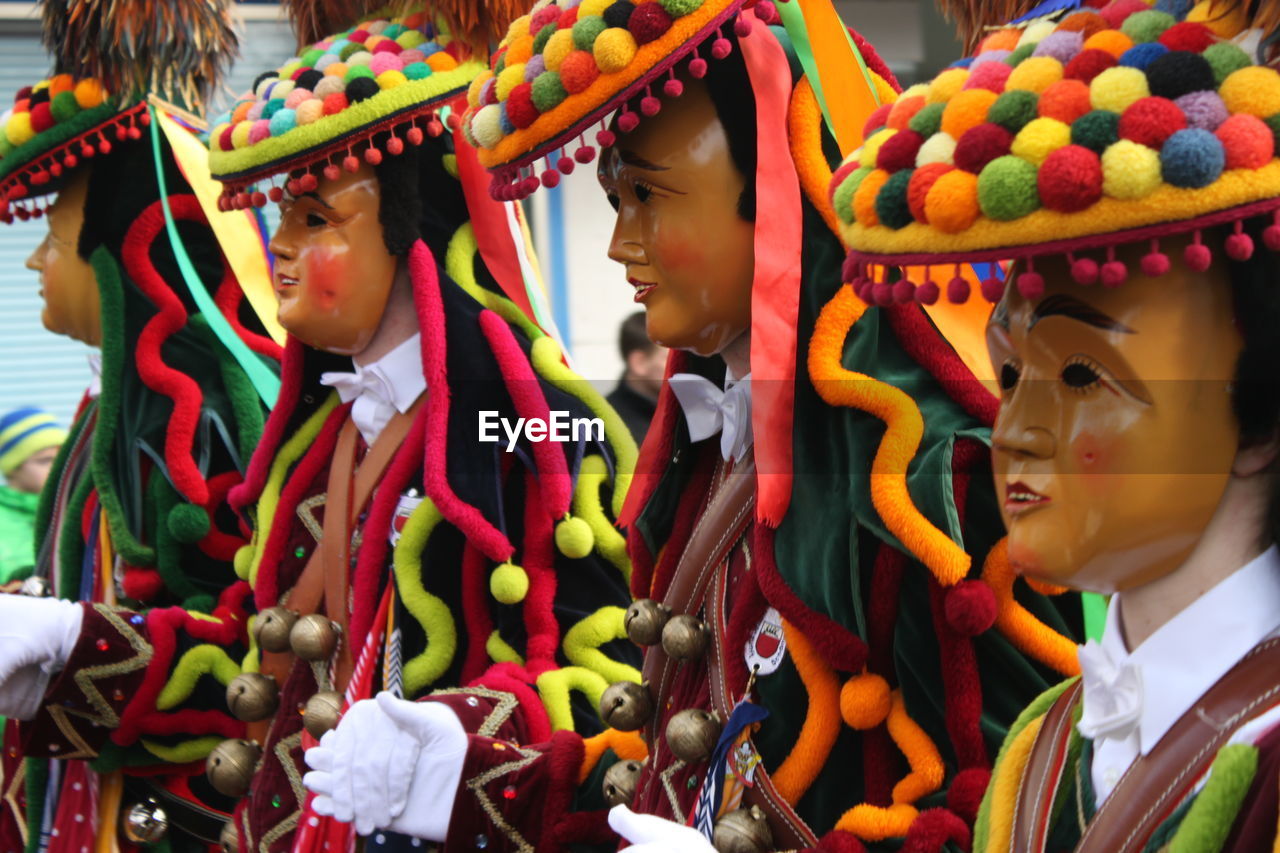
585	31
509	583
928	120
348	50
64	107
543	36
1014	109
1224	58
311	57
202	603
1020	54
1007	188
548	91
352	73
394	31
574	538
891	201
1096	130
188	523
842	198
1147	26
680	8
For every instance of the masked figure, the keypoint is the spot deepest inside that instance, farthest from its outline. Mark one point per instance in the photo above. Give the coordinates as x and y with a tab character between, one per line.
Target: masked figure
1121	159
821	669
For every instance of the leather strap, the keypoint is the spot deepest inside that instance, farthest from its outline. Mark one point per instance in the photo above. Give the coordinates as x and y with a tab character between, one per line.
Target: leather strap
1042	777
1157	783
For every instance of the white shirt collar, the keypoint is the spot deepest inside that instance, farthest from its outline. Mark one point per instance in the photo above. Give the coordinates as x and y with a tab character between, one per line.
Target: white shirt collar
391	384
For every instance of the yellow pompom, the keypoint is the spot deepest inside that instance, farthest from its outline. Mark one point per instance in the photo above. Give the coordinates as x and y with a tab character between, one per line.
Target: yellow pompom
1034	74
1254	90
390	79
242	561
939	148
614	49
19	129
486	126
511	76
240	134
966	110
473	91
1036	32
557	48
593	7
919	89
870	150
1130	170
865	701
518	29
89	94
309	111
520	50
509	583
951	205
1040	138
1118	87
945	86
574	537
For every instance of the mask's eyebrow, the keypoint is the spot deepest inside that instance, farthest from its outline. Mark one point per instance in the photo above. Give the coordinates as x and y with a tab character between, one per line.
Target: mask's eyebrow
1062	305
313	195
633	159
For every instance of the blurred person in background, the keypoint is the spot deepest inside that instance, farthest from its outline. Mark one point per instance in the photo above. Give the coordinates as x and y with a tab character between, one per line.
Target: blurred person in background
29	441
636	396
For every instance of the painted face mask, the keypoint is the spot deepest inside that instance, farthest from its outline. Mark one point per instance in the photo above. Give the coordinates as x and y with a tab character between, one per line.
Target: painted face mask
688	253
67	282
333	273
1116	435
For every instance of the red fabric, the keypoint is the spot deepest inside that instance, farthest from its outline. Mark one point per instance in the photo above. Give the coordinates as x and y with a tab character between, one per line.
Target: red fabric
517	681
475	612
255	477
217	544
538	560
932	829
655	451
692	501
228	298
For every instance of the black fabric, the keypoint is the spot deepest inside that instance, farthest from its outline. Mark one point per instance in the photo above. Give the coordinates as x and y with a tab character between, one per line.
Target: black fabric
635	409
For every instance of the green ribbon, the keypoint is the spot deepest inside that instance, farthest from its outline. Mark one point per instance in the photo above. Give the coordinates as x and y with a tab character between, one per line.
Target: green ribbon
266	383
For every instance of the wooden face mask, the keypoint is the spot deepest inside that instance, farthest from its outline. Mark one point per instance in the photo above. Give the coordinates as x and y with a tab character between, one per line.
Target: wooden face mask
67	283
1116	435
333	273
688	253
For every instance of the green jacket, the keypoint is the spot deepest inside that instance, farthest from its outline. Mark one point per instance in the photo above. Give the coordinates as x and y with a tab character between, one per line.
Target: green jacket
17	533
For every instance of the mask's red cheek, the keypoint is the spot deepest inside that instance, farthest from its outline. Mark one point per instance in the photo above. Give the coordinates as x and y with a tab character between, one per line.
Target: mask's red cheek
328	274
679	249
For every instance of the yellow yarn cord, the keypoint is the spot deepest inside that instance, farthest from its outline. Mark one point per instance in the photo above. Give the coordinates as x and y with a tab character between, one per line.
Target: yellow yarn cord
1023	629
459	263
500	651
554	686
186	752
290	452
1003	792
205	659
904	428
611	544
430	611
821	722
582	644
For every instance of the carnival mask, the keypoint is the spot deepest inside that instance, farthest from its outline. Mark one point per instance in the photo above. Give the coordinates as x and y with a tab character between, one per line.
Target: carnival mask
688	253
333	273
67	283
1116	436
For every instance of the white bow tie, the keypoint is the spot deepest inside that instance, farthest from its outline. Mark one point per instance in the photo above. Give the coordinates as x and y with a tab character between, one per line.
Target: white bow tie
709	410
1112	694
372	393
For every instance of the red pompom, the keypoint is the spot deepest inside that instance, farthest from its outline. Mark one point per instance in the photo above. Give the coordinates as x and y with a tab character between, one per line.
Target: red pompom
1247	142
334	103
1155	264
384	46
1239	247
958	290
372	156
1150	121
134	133
104	147
720	48
741	28
839	841
41	117
224	138
767	12
578	71
414	134
276	194
332	172
568	17
876	120
1116	12
1088	64
70	161
520	108
964	796
550	178
122	132
55	169
1070	179
1271	237
697	68
1113	273
566	165
1189	36
585	154
295	188
989	75
650	106
903	291
606	138
454	121
648	22
979	146
350	163
1197	257
548	14
899	151
395	145
673	88
259	199
927	293
1031	285
1084	271
922	180
358	36
1065	100
933	829
628	121
882	292
141	584
992	289
530	185
242	201
971	605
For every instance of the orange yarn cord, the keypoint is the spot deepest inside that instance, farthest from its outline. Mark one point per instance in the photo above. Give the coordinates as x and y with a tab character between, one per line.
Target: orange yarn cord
821	721
804	130
627	746
1014	621
903	429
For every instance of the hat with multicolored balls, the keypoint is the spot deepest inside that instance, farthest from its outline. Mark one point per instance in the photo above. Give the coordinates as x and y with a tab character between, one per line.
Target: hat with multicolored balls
1094	126
384	77
567	65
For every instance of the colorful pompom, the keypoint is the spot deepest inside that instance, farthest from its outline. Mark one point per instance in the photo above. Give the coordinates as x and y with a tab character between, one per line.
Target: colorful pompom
1147	25
922	180
1150	121
282	122
1178	73
990	76
1254	90
947	85
980	145
928	120
520	107
899	151
967	109
558	47
1142	55
1192	158
865	701
1116	12
1070	180
614	50
649	22
309	111
864	198
939	148
1096	130
1247	142
1062	45
842	198
1130	170
952	203
902	111
891	201
1013	110
1204	110
1035	74
578	71
877	120
1066	100
486	126
1113	42
89	94
1116	88
1188	36
1224	59
586	30
1007	189
1088	64
1040	138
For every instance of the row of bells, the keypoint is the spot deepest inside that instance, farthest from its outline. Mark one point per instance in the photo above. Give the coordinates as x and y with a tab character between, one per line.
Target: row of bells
147	823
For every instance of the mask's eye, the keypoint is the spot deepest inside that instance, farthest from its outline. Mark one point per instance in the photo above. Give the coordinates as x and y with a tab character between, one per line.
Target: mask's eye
613	201
1080	374
1009	374
643	191
315	220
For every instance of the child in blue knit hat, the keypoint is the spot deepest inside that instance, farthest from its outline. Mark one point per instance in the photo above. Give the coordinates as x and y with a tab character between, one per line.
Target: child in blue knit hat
29	441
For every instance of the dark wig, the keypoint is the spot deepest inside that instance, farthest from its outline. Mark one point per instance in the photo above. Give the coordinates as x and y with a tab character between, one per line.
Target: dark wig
405	181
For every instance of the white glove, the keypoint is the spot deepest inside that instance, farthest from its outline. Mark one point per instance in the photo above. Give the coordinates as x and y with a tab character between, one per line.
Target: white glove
385	754
37	636
652	834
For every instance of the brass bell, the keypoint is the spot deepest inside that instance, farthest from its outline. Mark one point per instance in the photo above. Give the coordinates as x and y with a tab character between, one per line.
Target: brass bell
36	587
743	831
313	637
230	766
692	734
229	838
322	712
626	706
252	696
272	627
685	637
145	823
644	620
620	782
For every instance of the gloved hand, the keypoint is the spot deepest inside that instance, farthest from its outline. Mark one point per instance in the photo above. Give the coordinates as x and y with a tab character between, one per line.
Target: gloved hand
383	755
651	834
37	636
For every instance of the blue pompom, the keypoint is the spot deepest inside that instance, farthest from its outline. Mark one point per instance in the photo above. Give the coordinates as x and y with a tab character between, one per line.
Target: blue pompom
1192	158
963	63
504	122
283	121
271	107
428	48
1141	55
1177	8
